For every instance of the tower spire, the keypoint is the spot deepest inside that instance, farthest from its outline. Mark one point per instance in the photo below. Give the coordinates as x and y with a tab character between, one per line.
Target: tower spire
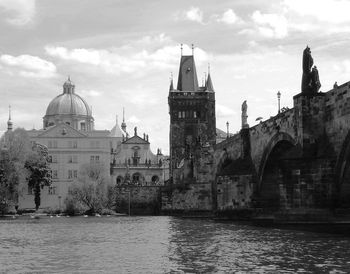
9	122
181	49
123	123
192	50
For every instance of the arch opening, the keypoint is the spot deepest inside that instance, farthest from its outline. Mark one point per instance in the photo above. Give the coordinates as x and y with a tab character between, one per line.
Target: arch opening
277	186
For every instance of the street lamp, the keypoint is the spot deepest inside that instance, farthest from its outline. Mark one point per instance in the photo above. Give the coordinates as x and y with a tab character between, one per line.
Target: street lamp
227	125
279	99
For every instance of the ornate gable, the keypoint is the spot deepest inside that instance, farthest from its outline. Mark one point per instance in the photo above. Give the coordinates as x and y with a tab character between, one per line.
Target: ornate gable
135	140
61	130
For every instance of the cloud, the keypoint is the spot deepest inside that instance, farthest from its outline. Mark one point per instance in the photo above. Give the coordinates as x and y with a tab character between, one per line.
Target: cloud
229	17
20	12
334	11
271	25
224	111
194	14
126	59
133	119
90	93
28	66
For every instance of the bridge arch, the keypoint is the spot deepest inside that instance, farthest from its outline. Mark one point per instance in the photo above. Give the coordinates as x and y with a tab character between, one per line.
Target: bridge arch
342	172
274	172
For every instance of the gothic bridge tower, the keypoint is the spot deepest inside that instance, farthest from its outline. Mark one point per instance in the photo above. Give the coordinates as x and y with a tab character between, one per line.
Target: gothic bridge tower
192	118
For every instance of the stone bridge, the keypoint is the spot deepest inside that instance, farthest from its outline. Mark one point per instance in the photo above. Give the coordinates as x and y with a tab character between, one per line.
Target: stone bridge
298	159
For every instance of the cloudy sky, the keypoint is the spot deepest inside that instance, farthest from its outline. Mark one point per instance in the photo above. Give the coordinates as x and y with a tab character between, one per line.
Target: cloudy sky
121	54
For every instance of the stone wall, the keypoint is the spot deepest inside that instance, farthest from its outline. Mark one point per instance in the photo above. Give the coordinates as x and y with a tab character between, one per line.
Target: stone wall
234	192
144	200
187	198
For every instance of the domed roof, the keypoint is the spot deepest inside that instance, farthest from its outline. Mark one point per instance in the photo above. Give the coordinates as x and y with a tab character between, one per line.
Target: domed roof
68	103
116	130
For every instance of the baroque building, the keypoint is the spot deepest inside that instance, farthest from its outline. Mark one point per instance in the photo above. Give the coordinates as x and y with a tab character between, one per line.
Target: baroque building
192	119
72	140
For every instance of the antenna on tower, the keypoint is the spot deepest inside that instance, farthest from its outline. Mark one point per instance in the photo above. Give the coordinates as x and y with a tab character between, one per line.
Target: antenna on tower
181	49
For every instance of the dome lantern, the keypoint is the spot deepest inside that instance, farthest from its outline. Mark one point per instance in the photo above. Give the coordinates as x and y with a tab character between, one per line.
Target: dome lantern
68	86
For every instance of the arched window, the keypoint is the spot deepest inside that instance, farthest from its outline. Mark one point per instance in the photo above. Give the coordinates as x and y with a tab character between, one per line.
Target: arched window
155	179
119	180
136	178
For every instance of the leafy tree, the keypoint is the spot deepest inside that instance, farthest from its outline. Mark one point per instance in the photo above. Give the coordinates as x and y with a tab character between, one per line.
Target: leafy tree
90	190
15	146
37	164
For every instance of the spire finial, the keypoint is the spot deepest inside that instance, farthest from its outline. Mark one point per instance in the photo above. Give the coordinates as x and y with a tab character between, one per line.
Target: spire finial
123	115
9	112
69	78
208	68
181	49
192	50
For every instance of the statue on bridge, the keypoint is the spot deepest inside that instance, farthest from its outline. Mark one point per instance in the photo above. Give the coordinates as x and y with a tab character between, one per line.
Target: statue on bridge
310	83
244	115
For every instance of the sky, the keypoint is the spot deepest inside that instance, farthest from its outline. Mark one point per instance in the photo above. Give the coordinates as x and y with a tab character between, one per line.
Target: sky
122	54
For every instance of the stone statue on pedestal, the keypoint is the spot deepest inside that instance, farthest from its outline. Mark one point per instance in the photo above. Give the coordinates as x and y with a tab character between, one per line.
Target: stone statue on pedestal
244	115
310	83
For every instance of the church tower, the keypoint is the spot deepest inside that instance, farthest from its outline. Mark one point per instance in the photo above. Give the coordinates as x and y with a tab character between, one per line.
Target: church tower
192	118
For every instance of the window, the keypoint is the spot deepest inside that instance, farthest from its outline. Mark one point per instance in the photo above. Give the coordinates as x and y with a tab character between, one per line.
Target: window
119	180
194	114
136	177
52	190
75	173
82	126
54	158
70	159
49	158
75	144
70	174
54	174
155	179
94	159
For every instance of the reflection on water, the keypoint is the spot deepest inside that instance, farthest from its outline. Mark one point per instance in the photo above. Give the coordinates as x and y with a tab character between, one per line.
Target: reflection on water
164	245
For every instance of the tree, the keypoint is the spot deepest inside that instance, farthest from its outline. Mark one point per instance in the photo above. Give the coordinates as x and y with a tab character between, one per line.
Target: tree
15	146
37	164
90	190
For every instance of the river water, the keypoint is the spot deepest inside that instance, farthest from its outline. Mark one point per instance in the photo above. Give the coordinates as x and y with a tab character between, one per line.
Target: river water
164	245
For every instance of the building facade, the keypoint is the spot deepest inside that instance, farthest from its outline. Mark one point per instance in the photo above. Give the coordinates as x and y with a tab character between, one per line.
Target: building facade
69	134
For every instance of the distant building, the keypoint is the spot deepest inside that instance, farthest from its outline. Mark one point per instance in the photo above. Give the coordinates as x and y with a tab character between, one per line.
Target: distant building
69	133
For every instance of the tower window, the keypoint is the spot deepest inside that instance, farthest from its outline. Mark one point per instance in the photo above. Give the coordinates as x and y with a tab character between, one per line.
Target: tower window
194	114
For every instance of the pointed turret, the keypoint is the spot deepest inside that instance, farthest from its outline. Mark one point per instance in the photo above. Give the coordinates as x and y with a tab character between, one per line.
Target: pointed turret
116	130
9	122
171	84
187	74
209	84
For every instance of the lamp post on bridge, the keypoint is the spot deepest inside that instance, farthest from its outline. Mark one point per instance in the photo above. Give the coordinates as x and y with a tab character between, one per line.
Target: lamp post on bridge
279	99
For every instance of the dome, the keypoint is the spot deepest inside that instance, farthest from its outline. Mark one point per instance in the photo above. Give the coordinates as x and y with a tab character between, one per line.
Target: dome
69	108
68	103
